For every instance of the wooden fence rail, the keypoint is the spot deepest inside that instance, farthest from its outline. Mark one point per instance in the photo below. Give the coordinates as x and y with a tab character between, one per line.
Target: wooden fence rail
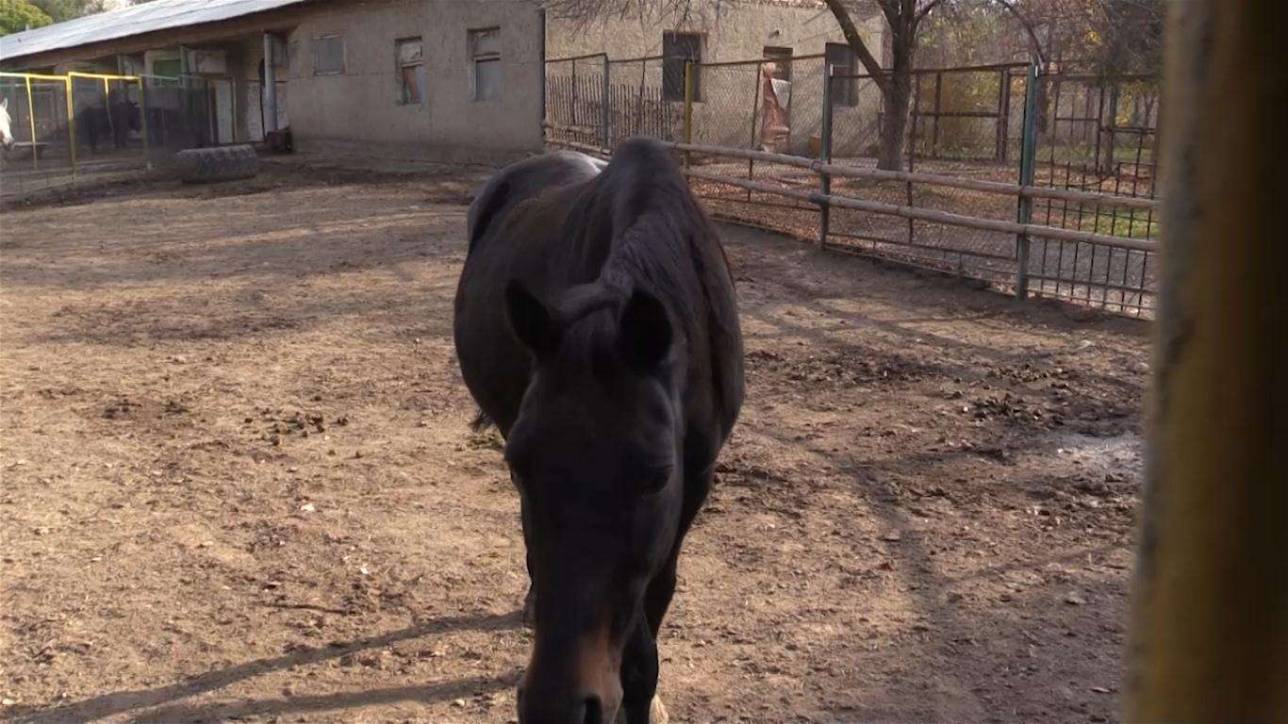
932	215
997	187
825	198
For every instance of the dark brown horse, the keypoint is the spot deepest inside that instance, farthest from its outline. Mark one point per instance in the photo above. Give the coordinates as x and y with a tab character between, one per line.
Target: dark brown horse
596	325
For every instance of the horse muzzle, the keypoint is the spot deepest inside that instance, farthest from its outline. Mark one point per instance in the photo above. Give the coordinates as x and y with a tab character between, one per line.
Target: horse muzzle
583	708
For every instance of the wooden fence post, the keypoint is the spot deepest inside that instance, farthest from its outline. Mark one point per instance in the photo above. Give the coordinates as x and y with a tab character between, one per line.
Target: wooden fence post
688	107
71	121
1209	639
606	107
825	155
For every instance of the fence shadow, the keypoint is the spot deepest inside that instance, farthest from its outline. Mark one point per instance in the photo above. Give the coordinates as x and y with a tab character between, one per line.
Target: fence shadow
123	702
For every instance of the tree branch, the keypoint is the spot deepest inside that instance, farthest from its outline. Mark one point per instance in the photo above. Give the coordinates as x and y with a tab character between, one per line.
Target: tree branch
890	8
842	15
925	10
1028	28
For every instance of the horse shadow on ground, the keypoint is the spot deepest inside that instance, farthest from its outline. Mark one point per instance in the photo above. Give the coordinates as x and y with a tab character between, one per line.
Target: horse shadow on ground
160	704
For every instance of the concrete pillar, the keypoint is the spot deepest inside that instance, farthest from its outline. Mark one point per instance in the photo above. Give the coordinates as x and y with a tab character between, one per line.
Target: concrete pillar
270	86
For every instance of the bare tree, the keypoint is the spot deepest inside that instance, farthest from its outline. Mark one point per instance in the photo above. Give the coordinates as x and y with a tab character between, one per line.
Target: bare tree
895	83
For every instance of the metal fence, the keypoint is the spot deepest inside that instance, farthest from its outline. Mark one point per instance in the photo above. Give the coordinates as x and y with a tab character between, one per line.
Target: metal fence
81	126
989	131
637	103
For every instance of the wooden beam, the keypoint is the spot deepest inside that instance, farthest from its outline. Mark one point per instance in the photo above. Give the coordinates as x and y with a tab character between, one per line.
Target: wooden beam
932	215
996	187
1209	640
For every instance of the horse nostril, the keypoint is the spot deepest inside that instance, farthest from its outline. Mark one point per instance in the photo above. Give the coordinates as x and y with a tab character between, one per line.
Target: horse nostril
593	711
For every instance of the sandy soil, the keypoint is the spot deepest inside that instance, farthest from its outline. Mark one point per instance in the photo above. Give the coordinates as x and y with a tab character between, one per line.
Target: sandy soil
238	481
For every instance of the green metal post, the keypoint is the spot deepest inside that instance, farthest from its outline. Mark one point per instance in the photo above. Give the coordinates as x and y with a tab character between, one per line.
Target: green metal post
1028	153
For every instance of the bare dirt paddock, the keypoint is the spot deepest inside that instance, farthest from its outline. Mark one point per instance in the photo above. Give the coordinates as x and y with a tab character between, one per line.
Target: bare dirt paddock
238	481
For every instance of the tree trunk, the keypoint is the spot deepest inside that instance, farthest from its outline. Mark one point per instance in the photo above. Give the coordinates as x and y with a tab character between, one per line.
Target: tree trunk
894	122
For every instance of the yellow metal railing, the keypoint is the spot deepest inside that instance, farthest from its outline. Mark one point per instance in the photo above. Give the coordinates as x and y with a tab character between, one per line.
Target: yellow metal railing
67	81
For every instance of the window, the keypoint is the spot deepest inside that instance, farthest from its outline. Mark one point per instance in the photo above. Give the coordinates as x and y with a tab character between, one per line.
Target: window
841	57
328	55
782	58
411	71
169	67
677	48
485	56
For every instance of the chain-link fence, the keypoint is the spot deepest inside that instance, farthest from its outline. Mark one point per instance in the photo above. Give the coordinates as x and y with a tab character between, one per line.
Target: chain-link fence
641	99
96	127
963	122
1096	133
767	105
38	108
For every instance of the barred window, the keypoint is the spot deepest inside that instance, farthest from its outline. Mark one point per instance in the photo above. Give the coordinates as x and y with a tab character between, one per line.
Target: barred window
328	55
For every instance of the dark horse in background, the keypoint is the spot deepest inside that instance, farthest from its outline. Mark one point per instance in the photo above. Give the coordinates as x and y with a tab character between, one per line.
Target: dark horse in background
596	325
115	120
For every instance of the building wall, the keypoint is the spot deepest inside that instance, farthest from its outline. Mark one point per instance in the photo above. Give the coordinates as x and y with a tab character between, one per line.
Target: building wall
360	107
734	30
357	111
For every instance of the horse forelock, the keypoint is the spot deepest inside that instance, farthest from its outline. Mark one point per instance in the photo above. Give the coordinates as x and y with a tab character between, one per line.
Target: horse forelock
583	300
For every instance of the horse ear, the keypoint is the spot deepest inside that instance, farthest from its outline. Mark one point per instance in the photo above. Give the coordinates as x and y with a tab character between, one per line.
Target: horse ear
530	319
4	102
645	336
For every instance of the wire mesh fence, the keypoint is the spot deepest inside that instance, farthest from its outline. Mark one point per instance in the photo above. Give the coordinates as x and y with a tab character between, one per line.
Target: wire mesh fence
770	105
1004	124
38	116
1097	133
575	92
641	99
82	127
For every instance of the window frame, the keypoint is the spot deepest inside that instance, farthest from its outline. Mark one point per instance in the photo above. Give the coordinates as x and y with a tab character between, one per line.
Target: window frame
401	66
344	53
849	96
676	93
776	54
477	59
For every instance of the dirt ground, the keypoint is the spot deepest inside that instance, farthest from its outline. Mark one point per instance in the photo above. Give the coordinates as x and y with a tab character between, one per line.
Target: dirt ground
238	480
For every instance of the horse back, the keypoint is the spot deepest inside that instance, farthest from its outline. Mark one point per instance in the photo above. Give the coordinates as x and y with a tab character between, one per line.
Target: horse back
522	182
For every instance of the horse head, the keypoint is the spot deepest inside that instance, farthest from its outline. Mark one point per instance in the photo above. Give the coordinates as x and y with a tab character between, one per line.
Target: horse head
6	133
596	453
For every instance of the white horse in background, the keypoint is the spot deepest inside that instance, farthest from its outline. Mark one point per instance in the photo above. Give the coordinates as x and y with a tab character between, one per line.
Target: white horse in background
6	135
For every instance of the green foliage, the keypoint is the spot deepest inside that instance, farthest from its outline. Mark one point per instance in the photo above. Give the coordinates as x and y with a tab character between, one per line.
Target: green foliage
60	10
19	15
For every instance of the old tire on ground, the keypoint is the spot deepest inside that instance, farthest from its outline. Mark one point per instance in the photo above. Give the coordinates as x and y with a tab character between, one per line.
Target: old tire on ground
222	163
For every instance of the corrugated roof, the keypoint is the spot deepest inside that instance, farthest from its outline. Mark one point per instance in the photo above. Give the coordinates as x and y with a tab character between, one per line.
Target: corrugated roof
133	20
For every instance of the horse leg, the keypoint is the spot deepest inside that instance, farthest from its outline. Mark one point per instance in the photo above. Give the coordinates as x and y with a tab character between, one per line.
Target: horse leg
640	704
660	590
530	600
